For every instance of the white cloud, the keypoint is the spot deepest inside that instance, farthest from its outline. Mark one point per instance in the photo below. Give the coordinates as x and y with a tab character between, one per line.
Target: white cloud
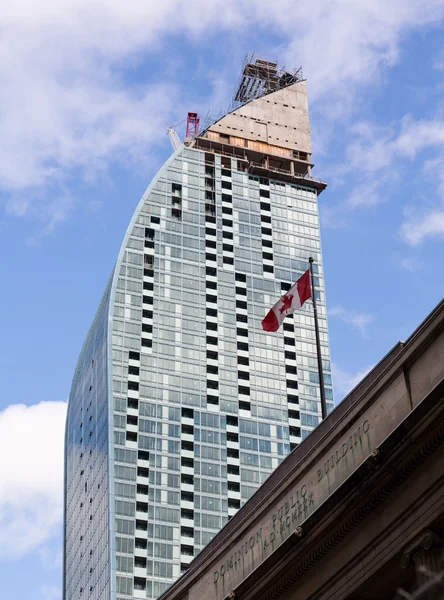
424	218
375	150
411	264
66	102
70	107
368	194
343	43
31	475
358	320
383	158
345	381
421	226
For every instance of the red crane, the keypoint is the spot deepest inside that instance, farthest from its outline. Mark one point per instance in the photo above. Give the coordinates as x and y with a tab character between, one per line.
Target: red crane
192	125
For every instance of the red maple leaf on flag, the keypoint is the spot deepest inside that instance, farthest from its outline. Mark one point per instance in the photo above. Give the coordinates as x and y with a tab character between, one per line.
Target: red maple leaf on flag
287	300
287	304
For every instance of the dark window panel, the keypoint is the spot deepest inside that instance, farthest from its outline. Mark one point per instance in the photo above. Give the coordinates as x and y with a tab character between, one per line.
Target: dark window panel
241	304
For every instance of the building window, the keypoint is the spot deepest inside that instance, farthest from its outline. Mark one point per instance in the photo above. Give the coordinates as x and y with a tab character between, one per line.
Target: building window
140	562
296	431
139	583
176	189
293	414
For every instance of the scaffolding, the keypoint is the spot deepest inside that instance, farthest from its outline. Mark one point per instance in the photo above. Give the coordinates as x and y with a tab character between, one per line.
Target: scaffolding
258	79
262	77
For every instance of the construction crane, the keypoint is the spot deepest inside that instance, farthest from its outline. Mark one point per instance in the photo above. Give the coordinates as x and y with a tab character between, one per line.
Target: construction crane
192	125
174	138
192	130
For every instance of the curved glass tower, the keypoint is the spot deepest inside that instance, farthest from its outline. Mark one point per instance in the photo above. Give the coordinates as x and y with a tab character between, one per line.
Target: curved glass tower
181	405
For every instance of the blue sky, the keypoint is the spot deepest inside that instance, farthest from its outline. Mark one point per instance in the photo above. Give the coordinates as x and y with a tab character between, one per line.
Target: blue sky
88	91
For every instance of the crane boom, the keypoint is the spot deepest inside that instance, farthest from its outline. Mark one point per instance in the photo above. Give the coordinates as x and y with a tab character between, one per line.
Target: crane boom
174	138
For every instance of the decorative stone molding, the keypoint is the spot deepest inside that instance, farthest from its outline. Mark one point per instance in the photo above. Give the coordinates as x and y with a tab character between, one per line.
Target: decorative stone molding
375	454
424	541
425	551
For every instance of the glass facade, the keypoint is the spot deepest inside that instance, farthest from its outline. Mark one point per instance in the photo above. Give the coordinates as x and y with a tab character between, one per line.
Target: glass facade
181	404
86	515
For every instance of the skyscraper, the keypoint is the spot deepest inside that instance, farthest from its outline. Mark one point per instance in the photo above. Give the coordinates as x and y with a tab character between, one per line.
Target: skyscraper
181	405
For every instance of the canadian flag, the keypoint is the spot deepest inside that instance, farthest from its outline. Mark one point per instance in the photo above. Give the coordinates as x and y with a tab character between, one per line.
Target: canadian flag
291	301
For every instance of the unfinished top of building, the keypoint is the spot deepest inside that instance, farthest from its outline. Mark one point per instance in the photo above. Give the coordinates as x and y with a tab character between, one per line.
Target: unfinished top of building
268	127
261	78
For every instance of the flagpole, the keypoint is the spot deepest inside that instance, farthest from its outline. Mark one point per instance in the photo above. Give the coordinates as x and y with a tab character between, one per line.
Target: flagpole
318	342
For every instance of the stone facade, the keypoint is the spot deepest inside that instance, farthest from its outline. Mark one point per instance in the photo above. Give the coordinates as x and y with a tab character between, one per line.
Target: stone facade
357	510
